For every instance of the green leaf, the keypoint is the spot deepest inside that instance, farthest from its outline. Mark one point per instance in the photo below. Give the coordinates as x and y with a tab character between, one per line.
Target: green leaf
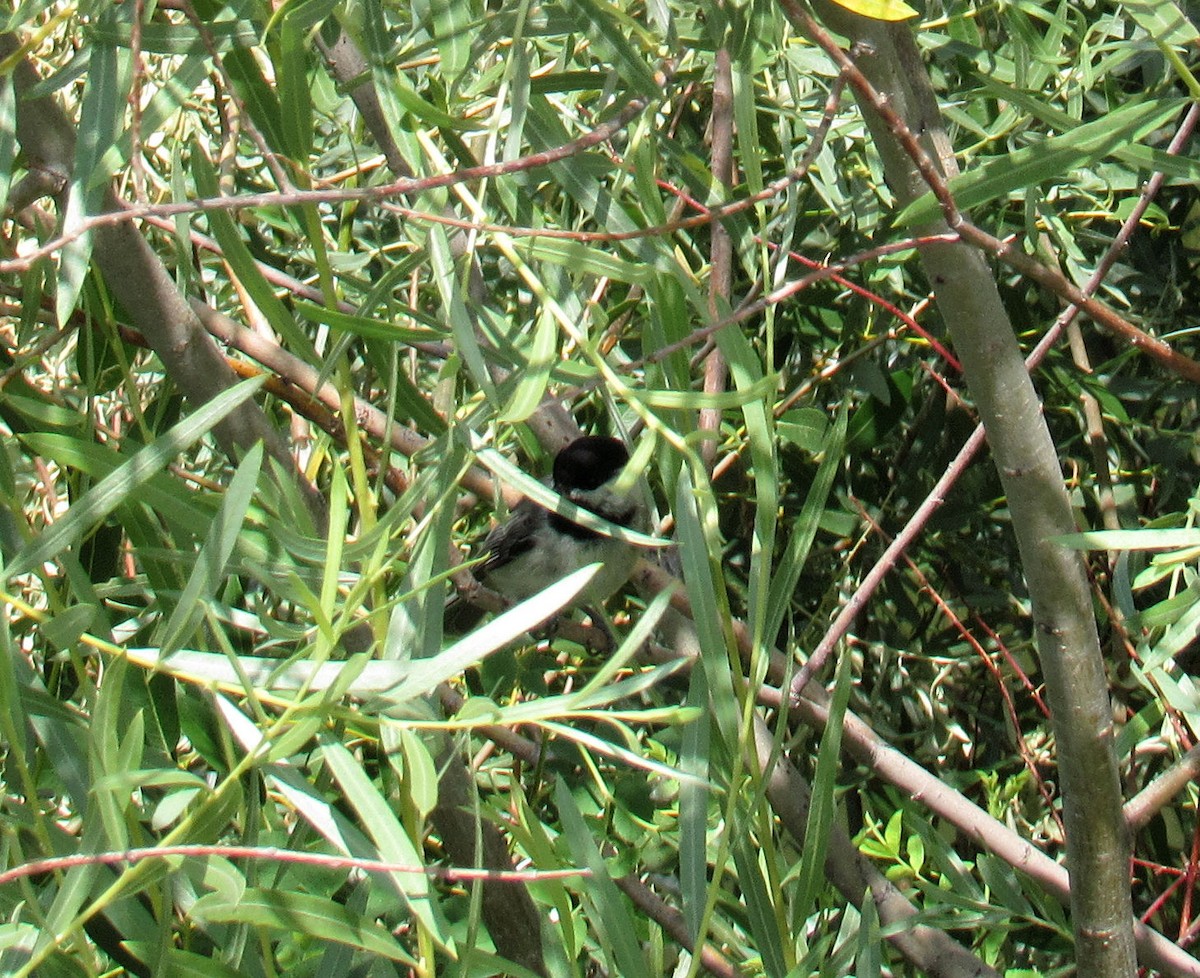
868	958
8	136
189	964
755	389
178	39
804	530
616	27
116	488
695	795
452	23
101	120
1050	159
612	919
245	269
374	329
585	260
1147	539
821	806
257	95
709	600
534	373
208	572
385	830
295	94
302	913
1164	21
760	907
752	394
185	513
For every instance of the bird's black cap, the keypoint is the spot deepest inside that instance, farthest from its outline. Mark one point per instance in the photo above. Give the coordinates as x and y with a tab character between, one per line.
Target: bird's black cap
589	462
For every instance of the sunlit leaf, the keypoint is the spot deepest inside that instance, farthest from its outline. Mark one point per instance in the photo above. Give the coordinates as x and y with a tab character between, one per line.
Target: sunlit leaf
1050	159
889	10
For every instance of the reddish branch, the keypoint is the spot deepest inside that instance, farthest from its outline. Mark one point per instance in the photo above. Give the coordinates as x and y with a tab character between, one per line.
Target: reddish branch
274	854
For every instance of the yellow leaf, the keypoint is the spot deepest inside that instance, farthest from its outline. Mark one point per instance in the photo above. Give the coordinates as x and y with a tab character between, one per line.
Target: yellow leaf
889	10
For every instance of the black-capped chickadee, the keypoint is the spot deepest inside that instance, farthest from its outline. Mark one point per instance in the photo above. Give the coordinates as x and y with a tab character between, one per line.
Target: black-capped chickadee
535	547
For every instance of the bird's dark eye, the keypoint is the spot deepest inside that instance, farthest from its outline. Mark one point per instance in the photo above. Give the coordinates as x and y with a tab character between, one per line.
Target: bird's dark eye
589	462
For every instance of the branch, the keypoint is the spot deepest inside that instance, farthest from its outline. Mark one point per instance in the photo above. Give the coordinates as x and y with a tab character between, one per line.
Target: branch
143	286
897	101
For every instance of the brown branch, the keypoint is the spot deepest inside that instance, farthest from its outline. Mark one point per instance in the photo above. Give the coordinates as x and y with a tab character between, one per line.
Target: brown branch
720	281
673	922
304	377
1151	799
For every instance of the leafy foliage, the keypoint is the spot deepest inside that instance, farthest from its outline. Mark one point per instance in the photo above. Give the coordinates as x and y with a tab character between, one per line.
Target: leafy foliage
403	217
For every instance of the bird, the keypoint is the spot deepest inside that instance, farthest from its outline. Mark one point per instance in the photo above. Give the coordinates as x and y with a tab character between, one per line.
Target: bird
535	547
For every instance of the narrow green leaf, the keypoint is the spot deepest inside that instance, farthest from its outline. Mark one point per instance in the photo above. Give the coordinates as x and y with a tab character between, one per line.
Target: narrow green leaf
1147	539
302	913
114	489
519	82
295	93
8	137
102	116
208	572
1003	884
79	881
755	389
710	603
695	796
242	263
377	45
381	824
532	837
101	119
374	329
105	752
753	393
1049	159
1164	21
534	375
868	957
185	512
745	112
582	259
462	325
804	530
420	773
188	964
612	920
616	27
304	14
257	95
178	39
452	23
760	909
423	675
821	804
577	178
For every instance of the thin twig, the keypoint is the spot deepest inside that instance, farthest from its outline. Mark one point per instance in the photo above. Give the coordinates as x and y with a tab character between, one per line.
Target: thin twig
274	854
